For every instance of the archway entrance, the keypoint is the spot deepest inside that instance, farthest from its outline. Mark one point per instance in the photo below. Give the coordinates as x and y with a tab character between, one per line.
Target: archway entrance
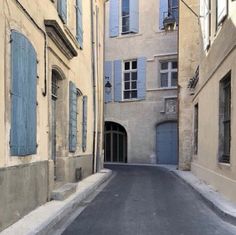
115	143
167	143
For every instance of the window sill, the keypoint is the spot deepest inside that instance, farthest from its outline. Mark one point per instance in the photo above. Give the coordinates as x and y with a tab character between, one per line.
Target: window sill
163	89
130	35
223	165
130	100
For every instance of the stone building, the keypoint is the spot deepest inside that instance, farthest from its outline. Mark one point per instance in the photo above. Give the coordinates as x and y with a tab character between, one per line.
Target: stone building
207	98
51	99
141	81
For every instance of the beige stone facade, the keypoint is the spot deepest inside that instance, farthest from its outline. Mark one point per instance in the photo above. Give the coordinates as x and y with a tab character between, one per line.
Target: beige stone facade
27	181
207	140
141	116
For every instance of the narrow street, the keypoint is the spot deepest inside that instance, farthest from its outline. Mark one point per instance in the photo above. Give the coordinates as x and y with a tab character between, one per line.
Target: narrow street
143	200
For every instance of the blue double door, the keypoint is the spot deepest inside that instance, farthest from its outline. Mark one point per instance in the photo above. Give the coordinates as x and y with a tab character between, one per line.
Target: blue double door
166	146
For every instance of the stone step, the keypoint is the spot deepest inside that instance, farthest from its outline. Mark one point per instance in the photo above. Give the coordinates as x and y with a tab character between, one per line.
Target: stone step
63	192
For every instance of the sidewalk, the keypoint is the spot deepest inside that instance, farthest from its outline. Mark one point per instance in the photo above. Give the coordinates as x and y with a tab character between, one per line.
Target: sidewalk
44	217
223	207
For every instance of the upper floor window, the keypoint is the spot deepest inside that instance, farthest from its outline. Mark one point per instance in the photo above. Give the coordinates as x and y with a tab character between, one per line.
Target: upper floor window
168	8
130	76
225	119
62	10
125	16
168	74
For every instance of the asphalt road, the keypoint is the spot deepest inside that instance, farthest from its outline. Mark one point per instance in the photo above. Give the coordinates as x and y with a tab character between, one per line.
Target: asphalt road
143	200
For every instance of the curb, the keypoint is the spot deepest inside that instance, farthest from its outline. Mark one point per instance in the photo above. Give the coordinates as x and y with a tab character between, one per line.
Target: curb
42	219
225	209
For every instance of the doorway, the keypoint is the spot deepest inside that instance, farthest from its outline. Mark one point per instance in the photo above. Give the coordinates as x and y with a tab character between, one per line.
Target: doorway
115	143
167	143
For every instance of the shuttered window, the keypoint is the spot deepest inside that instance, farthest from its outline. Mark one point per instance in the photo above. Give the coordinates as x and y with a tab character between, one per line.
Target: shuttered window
129	17
73	117
79	22
205	22
168	74
168	7
62	10
222	10
118	80
85	111
23	96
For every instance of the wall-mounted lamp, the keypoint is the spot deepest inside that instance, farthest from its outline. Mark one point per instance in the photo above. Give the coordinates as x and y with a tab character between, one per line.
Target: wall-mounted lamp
108	86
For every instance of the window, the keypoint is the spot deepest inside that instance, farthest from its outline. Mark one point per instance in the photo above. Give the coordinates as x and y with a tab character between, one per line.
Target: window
168	8
168	74
130	76
62	10
196	129
222	10
174	10
79	23
225	119
125	16
23	96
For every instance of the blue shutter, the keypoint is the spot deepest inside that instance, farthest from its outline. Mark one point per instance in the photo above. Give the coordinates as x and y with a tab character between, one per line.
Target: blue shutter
114	18
163	12
73	118
85	110
134	16
23	96
141	83
62	10
79	22
108	78
118	80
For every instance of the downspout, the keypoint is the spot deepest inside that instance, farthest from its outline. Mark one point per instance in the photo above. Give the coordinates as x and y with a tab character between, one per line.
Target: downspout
94	89
45	44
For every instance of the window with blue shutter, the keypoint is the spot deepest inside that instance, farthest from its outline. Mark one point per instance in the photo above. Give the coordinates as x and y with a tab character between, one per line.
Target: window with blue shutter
23	96
114	18
222	10
134	16
72	117
163	12
85	111
141	77
79	22
62	10
108	79
117	80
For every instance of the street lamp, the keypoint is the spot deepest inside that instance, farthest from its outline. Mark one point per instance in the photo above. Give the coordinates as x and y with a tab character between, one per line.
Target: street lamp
108	86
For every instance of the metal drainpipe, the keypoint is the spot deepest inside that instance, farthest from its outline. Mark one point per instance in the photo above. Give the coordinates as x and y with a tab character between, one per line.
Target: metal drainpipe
94	90
45	44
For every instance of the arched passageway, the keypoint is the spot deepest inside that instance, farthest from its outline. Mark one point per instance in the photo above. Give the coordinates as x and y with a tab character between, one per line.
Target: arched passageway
115	143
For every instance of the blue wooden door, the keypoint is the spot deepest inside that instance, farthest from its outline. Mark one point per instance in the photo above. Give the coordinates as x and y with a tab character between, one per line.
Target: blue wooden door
167	143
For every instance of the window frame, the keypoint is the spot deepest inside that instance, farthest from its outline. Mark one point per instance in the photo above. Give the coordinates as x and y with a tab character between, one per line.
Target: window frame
225	119
169	71
130	71
122	17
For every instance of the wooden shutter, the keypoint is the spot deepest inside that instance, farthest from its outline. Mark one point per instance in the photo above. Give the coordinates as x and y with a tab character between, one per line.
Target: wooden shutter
205	22
62	10
23	96
79	22
118	80
85	111
222	10
73	118
141	83
134	16
163	12
108	78
114	18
